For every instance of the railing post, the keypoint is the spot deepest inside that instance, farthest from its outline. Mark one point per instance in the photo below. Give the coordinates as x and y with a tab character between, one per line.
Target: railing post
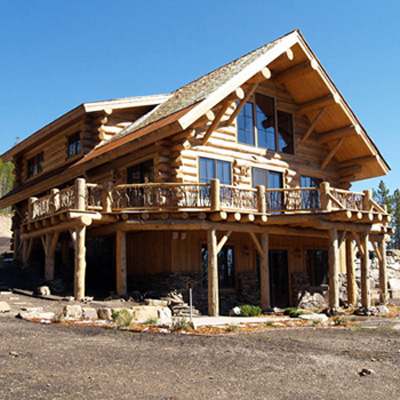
80	194
367	200
261	201
215	198
55	200
30	207
107	197
326	202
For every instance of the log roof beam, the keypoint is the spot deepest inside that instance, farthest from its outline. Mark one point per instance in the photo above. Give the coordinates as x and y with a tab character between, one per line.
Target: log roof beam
345	132
317	104
297	71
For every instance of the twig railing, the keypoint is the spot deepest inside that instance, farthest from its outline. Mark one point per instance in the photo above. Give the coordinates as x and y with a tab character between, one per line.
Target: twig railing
204	196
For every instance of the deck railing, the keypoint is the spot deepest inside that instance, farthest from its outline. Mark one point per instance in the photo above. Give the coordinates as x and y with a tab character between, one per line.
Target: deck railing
204	196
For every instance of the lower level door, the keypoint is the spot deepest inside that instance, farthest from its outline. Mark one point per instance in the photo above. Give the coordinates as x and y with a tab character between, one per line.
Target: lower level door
279	278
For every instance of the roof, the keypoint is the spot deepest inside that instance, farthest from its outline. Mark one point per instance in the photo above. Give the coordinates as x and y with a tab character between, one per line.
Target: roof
187	104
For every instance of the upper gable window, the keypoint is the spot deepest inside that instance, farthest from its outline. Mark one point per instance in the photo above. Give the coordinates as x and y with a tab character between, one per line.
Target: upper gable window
74	145
259	124
34	165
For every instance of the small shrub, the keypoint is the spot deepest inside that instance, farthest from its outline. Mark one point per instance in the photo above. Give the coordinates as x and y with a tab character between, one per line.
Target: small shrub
231	328
250	311
338	320
271	324
115	315
181	324
150	321
315	322
293	312
123	319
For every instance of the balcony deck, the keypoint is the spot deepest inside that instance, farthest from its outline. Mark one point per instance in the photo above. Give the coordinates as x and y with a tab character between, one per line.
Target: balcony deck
296	207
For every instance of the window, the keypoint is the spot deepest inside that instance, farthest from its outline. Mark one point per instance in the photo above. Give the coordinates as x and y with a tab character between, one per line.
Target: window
211	169
257	125
269	179
74	144
141	173
310	199
317	267
35	165
226	267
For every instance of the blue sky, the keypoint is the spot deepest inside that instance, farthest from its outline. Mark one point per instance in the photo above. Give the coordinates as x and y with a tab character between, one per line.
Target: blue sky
59	54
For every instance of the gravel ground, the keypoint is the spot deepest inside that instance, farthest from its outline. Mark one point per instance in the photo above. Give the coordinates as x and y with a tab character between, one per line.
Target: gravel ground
59	362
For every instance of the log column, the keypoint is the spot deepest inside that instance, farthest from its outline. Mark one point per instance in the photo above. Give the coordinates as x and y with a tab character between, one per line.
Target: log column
264	273
383	287
122	286
333	269
212	268
79	236
365	292
351	275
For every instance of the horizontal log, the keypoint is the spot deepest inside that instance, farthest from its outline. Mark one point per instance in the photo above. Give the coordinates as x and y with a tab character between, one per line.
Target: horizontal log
319	103
345	132
297	71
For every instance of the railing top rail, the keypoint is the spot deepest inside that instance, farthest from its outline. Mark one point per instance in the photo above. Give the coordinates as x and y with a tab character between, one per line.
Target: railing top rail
344	191
302	189
247	189
153	184
95	185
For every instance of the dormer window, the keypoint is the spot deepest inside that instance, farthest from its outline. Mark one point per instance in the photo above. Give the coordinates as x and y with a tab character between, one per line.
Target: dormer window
260	124
74	145
34	165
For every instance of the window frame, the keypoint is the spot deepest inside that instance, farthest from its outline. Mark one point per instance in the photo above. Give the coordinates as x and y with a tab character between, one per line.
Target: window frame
75	144
252	101
215	161
34	165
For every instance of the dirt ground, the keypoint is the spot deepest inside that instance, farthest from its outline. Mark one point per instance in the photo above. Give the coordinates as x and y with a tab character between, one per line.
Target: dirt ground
59	362
52	362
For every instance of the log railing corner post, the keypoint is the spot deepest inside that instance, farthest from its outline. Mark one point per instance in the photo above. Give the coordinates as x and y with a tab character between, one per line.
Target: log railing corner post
215	198
31	202
55	200
261	200
80	194
107	197
326	202
367	200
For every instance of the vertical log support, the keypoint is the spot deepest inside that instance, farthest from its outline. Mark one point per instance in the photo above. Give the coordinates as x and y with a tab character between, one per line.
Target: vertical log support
333	270
55	200
261	201
107	193
365	292
79	236
50	249
264	273
31	202
367	200
350	272
215	195
122	285
383	287
80	194
212	267
326	202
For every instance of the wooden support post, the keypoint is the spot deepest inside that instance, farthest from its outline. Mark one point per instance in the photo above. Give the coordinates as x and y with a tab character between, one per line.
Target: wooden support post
333	270
213	301
367	200
365	292
107	197
49	260
215	195
122	283
79	235
264	273
65	252
80	194
261	201
350	272
326	202
383	287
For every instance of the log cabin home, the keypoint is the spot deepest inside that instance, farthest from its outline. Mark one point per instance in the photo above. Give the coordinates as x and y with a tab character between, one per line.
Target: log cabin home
237	184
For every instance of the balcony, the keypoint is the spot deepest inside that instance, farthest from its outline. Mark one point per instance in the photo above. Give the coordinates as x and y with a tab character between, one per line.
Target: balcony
342	205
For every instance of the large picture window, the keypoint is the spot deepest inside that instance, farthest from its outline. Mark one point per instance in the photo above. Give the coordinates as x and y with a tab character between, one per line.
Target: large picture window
34	165
226	267
215	169
258	125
